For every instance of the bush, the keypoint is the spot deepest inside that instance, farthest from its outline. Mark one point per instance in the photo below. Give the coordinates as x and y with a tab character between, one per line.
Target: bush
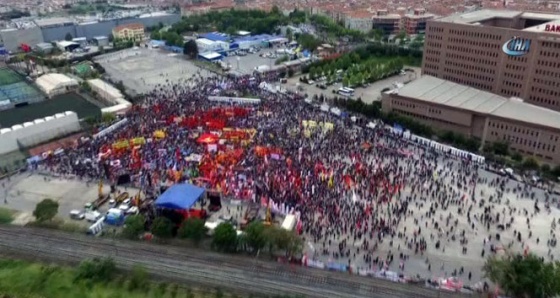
96	270
517	157
192	228
138	279
133	226
162	227
6	216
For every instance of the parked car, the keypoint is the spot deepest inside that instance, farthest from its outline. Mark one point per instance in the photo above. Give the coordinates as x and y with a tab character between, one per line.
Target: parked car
77	215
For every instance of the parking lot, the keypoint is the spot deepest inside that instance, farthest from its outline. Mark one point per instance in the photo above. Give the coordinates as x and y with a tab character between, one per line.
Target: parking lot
368	94
143	69
24	191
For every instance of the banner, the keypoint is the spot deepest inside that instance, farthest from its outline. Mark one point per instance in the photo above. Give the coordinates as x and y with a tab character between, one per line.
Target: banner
138	141
234	99
110	129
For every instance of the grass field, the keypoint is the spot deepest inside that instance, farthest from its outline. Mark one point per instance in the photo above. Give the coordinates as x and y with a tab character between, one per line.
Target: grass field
58	104
8	76
26	279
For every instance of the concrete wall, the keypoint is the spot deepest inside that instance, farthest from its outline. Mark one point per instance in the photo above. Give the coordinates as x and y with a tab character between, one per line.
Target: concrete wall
12	39
41	130
58	33
92	30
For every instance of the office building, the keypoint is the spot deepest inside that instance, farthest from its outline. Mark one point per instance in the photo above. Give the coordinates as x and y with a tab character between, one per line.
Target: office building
448	106
387	23
415	23
510	53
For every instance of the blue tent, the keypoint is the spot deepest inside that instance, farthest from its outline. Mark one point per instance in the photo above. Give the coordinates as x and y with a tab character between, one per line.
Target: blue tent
180	196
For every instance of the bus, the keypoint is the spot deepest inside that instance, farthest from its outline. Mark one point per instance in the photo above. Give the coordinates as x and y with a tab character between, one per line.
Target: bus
345	91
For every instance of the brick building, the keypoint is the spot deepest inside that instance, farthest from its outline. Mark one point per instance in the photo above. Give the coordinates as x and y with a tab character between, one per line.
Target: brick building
445	105
510	53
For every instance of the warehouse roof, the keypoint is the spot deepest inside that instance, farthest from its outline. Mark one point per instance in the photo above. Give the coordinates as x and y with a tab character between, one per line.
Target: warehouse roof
488	14
53	21
53	81
447	93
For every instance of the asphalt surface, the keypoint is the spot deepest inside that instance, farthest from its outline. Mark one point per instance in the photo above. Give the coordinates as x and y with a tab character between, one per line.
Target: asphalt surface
178	264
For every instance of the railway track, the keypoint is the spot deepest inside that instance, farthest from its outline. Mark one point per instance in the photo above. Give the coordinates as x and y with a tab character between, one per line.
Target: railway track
182	265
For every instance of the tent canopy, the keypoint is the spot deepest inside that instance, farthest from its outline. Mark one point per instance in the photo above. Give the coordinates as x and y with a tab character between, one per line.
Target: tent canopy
180	196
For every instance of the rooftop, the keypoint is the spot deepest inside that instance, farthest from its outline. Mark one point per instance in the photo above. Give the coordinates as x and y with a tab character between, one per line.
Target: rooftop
487	14
53	21
438	91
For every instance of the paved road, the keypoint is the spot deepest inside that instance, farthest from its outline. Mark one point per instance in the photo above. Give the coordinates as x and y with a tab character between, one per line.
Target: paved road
181	265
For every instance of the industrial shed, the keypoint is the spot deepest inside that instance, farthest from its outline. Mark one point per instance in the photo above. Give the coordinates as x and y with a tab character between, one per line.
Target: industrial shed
110	95
55	83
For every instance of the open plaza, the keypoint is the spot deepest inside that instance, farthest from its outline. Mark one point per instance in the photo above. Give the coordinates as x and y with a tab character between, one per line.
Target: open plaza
142	70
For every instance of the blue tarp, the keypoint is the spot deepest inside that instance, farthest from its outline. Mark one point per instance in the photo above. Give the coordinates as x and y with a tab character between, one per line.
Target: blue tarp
180	196
215	36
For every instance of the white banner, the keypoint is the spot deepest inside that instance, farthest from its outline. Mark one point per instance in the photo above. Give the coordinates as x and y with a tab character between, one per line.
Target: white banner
234	99
110	129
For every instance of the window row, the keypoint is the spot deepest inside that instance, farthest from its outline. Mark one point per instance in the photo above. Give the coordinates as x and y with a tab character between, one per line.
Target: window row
549	73
476	34
516	140
453	56
543	101
470	50
471	67
462	81
472	75
545	82
509	92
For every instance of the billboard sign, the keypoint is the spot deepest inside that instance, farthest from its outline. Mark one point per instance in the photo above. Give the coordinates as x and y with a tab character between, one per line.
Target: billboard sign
552	28
517	46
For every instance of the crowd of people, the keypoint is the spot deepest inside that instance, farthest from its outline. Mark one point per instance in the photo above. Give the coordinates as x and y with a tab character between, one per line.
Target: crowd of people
364	196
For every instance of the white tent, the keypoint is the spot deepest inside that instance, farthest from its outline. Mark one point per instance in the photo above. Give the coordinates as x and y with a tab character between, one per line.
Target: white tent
55	83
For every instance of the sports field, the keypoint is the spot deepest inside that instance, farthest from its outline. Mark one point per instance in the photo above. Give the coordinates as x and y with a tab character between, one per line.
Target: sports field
58	104
8	76
14	88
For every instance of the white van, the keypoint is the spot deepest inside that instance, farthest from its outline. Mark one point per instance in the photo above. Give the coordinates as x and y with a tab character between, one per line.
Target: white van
77	215
92	216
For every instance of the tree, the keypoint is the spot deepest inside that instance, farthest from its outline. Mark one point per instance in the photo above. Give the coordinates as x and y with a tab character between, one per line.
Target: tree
520	276
255	235
133	226
68	36
193	228
225	237
530	164
190	49
162	227
45	210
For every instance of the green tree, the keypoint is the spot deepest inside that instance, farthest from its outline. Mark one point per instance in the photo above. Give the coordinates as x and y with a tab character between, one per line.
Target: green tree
522	277
68	36
225	237
133	226
190	49
108	118
192	228
45	210
517	157
255	235
530	164
162	227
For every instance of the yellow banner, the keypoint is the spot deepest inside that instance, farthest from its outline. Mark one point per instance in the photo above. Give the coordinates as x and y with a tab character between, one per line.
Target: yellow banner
121	145
159	134
138	141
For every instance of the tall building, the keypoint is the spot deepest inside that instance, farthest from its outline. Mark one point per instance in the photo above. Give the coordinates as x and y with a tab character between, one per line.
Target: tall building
510	53
415	23
387	23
